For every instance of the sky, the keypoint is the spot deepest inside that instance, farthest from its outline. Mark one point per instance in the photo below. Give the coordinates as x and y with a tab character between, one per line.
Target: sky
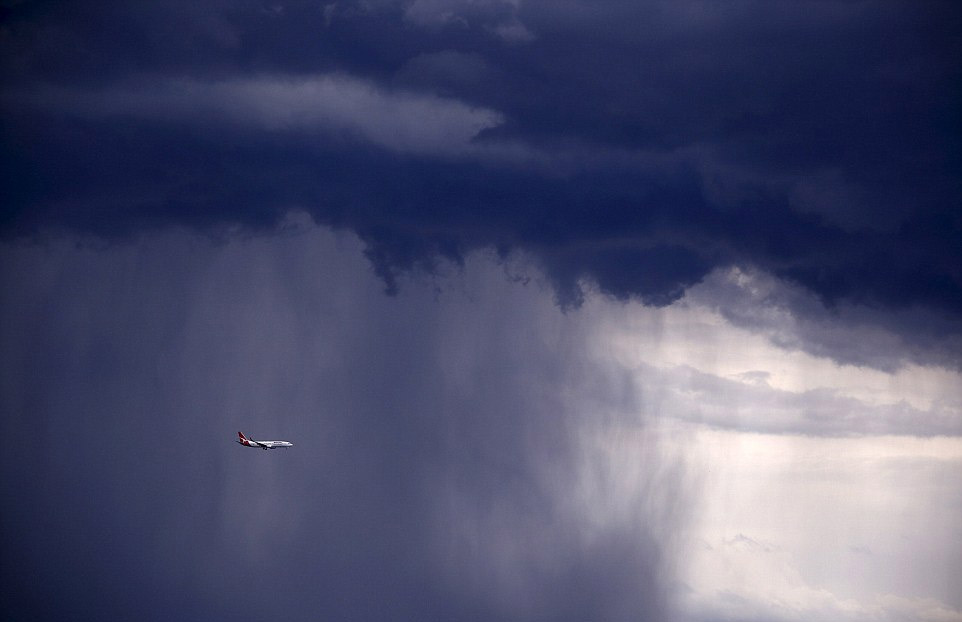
573	310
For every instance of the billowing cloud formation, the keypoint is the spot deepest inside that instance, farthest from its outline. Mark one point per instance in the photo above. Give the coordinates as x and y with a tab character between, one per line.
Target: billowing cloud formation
635	146
795	319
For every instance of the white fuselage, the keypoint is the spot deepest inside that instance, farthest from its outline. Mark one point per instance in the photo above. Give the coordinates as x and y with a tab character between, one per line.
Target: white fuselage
249	442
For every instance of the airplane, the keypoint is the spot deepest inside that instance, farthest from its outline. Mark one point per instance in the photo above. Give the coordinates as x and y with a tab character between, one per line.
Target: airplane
249	442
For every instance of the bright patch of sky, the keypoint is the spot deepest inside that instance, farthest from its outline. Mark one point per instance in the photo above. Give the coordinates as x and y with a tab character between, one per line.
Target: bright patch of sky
695	336
820	520
804	528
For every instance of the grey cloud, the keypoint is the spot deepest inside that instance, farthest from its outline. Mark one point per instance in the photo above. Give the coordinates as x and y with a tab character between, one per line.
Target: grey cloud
402	122
752	406
795	319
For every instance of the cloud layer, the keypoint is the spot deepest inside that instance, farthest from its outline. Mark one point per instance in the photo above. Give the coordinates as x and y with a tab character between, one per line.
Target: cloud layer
633	146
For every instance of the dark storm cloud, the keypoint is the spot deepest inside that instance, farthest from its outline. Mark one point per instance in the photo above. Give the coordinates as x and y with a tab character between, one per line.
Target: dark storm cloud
636	145
438	453
793	318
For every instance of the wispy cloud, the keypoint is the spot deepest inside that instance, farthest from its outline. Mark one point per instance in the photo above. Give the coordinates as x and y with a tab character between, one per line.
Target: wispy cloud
334	106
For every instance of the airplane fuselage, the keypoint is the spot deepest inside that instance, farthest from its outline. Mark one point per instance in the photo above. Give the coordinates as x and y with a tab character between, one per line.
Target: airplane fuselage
249	442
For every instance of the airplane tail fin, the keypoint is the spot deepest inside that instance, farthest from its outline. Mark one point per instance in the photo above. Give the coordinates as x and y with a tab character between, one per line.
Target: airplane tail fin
241	435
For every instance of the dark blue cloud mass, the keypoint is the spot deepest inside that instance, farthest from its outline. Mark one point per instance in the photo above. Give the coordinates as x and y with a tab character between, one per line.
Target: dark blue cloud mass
633	145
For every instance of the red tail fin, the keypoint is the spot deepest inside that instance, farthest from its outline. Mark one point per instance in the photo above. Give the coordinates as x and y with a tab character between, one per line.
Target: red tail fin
241	435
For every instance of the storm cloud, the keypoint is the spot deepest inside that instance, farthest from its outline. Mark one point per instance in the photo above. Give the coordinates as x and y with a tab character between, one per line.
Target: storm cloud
673	327
633	146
